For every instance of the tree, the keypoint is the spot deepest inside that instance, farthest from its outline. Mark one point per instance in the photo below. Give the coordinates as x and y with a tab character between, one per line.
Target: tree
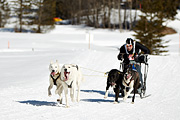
79	13
148	32
130	12
114	14
104	14
4	12
125	16
109	13
149	28
44	15
119	13
21	9
38	21
136	6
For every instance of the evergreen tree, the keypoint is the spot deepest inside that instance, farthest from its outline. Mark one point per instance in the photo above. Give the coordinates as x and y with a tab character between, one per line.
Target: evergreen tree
149	28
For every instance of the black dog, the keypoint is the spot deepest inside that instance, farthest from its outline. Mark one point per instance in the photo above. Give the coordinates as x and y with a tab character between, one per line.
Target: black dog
114	80
131	82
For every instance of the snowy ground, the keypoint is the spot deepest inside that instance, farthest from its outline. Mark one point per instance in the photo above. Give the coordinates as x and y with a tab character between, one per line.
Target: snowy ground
25	77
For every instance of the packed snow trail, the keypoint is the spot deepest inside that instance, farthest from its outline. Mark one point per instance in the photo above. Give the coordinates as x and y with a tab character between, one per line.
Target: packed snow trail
25	79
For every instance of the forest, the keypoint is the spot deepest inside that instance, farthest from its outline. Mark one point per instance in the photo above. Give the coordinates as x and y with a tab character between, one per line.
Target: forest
145	17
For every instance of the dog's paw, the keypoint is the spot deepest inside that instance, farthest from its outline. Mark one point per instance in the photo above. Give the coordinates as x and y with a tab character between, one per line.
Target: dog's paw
124	99
132	102
78	100
67	106
115	102
105	97
73	100
59	100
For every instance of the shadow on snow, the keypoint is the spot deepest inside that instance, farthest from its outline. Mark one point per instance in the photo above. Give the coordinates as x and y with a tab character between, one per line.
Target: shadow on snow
45	103
97	100
38	103
98	91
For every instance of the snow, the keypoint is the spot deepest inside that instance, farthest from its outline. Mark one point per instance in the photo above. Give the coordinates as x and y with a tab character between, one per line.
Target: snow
25	76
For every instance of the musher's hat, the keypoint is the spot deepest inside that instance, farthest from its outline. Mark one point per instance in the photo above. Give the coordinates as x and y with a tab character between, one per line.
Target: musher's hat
129	41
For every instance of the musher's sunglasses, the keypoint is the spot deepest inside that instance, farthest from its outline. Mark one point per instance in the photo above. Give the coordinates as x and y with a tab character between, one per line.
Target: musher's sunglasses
128	45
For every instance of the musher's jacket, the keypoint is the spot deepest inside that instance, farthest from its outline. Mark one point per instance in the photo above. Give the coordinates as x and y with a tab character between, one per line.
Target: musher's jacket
136	50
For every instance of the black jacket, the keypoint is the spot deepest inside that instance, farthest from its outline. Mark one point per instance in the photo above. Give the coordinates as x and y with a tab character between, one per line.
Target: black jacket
138	48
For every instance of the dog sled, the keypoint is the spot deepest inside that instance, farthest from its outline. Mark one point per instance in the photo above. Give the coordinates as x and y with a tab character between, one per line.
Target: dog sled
143	61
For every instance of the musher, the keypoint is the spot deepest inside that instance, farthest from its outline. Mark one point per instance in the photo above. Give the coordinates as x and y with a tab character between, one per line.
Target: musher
130	53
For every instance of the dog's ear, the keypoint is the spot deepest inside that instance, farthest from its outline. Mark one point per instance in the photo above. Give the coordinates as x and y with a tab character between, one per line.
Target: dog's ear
51	62
73	65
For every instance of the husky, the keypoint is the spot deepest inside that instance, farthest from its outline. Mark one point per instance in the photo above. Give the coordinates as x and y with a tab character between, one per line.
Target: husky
54	79
72	77
131	81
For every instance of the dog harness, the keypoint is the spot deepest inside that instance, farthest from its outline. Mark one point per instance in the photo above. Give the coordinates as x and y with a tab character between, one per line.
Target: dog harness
69	86
129	82
54	80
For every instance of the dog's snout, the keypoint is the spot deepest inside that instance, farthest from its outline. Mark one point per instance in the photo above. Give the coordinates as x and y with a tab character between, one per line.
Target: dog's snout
53	70
65	70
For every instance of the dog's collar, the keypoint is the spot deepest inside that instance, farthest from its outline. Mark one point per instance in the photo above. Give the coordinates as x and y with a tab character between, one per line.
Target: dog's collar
54	80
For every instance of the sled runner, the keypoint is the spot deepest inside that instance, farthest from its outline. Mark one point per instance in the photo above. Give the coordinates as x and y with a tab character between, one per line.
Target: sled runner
145	76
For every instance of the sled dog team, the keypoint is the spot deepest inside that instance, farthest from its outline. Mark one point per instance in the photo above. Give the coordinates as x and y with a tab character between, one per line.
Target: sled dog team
69	78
